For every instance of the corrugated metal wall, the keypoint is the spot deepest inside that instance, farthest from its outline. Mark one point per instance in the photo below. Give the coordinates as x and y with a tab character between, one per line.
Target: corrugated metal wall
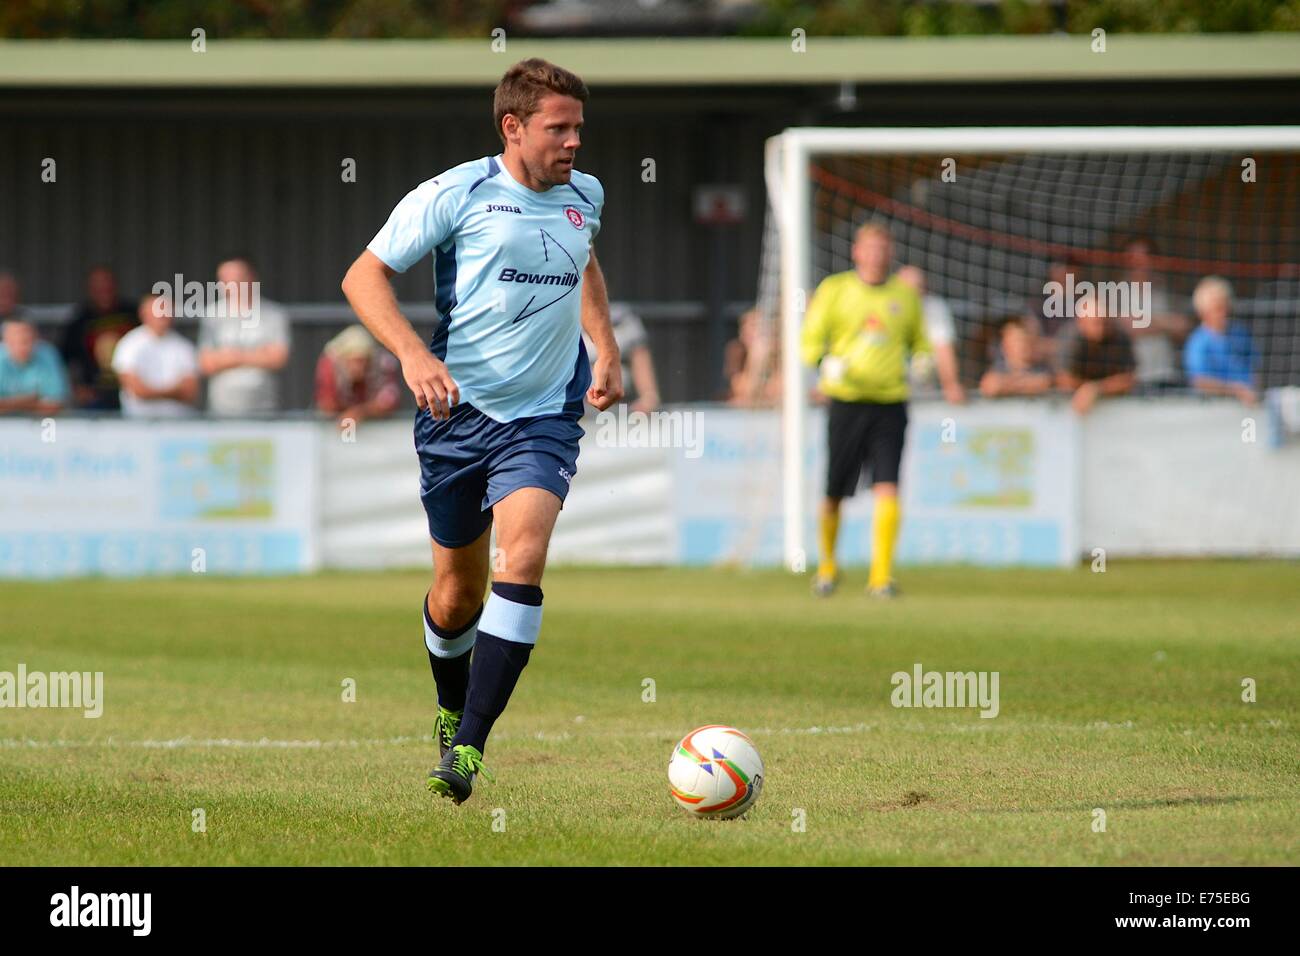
158	182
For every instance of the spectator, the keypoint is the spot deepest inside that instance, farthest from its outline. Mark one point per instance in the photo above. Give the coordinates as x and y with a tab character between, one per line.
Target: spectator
639	383
941	330
355	378
1017	370
9	307
1096	359
1159	333
90	338
1220	357
243	343
752	364
32	377
1050	331
156	365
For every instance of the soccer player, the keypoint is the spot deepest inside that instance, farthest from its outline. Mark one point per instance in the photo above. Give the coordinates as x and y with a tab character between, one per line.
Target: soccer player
500	387
863	326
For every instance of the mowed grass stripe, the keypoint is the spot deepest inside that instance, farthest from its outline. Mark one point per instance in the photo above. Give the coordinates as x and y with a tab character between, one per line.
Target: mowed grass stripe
1118	691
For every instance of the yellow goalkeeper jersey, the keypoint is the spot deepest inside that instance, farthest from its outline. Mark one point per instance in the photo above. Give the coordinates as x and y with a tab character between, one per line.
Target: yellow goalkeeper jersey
864	337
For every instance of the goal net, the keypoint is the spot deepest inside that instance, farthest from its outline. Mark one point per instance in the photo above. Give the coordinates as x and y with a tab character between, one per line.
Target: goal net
1009	223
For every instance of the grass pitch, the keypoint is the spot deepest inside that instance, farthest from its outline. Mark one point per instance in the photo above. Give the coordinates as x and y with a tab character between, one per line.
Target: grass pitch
1120	691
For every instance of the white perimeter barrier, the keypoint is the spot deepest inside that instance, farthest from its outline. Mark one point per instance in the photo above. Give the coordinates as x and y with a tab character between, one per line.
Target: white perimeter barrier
1024	483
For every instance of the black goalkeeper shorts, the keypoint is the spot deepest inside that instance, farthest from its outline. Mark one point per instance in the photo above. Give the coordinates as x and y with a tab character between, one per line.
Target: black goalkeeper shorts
863	437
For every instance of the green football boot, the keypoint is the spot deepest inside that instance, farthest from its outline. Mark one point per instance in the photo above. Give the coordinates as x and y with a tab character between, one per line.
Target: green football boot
445	726
454	777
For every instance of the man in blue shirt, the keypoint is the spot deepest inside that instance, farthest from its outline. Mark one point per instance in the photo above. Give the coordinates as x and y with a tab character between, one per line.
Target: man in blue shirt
1220	358
32	377
500	387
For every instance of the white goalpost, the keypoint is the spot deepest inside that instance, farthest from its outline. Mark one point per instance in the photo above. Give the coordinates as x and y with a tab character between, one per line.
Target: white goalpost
1030	197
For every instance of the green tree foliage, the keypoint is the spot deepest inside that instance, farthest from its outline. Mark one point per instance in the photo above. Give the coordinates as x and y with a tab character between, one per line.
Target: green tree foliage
247	19
956	17
375	19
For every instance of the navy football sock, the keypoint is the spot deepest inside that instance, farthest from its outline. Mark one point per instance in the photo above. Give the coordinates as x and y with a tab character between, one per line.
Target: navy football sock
449	657
512	619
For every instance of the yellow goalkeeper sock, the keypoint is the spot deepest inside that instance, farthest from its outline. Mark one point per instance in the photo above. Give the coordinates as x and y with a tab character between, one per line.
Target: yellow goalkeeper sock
884	533
828	529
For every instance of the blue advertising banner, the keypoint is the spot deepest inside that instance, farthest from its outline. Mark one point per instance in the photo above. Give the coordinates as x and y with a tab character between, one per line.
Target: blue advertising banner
128	498
985	484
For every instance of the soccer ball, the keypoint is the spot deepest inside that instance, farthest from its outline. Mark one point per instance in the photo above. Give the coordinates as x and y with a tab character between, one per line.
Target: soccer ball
715	772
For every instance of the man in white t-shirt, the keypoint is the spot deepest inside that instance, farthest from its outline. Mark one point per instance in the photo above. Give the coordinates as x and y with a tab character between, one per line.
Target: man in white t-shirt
156	365
243	344
1158	336
941	330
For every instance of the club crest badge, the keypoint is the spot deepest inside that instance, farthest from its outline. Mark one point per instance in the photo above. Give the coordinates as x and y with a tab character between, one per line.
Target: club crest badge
575	216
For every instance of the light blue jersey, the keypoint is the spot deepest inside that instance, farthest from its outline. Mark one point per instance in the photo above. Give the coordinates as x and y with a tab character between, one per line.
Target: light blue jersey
508	265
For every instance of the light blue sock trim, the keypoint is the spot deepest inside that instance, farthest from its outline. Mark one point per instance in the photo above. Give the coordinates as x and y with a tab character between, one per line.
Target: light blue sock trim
454	648
510	620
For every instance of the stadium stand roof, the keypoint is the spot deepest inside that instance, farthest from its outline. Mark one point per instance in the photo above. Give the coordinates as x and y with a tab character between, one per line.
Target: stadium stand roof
646	62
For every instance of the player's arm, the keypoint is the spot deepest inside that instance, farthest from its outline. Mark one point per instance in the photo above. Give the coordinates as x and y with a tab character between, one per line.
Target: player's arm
606	371
370	293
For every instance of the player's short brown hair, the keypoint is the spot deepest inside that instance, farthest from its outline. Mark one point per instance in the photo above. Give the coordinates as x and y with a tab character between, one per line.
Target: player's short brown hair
521	90
874	227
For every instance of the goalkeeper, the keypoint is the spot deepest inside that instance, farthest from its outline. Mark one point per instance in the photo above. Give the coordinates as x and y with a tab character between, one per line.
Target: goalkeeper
863	326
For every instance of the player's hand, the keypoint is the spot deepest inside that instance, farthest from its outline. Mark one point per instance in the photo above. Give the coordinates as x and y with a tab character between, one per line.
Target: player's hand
606	383
430	382
954	393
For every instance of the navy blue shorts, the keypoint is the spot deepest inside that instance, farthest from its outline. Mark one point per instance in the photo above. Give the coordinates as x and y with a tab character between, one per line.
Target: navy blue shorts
469	462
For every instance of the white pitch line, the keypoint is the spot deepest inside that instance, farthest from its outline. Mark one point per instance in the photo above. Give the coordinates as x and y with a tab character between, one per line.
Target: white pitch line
266	743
